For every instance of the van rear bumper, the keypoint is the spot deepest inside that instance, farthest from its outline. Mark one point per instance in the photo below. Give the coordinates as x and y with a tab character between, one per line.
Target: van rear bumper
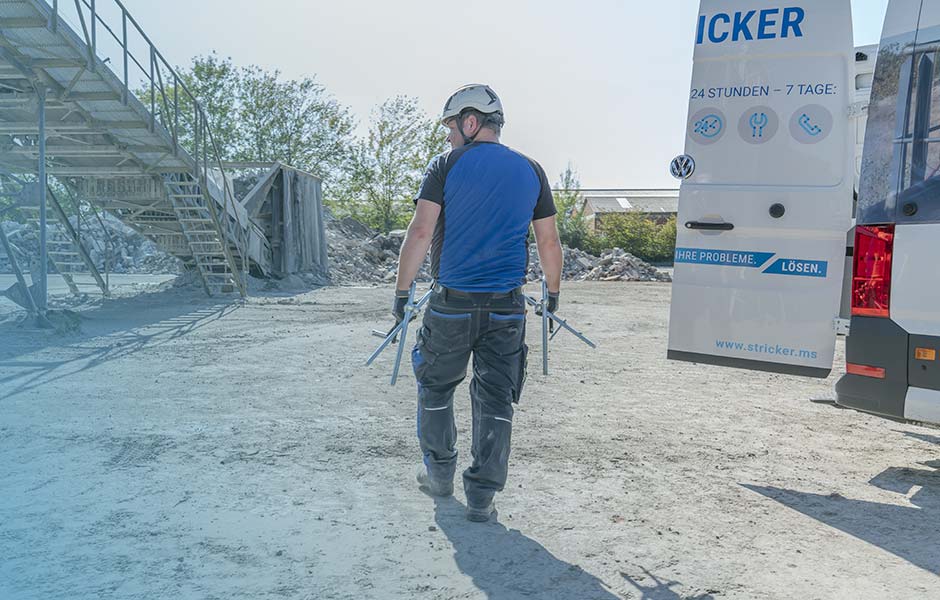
875	396
882	343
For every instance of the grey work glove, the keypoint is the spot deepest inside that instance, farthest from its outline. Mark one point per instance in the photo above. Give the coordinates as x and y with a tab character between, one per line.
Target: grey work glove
553	301
398	308
552	304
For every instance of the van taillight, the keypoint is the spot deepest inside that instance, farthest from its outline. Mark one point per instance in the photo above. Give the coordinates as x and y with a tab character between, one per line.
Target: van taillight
871	272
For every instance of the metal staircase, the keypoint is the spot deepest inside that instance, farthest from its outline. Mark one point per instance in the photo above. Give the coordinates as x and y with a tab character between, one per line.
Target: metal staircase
147	157
65	251
210	251
61	251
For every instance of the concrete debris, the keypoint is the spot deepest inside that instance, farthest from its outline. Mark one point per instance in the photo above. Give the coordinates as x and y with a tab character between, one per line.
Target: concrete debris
612	265
357	255
123	249
360	255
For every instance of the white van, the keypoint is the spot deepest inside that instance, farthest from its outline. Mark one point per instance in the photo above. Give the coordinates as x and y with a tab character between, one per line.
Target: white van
776	109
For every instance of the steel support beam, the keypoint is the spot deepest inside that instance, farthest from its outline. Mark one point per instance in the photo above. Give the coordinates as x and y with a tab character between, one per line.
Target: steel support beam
71	171
43	184
25	23
98	128
81	150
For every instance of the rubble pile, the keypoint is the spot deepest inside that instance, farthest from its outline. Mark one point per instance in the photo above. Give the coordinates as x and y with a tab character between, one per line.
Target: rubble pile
360	255
124	249
612	265
357	254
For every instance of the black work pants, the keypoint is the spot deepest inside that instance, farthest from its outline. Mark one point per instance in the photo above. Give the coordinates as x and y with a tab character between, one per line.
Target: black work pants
491	329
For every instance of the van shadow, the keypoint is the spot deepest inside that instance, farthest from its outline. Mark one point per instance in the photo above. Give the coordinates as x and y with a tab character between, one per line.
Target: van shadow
504	563
930	439
909	532
112	330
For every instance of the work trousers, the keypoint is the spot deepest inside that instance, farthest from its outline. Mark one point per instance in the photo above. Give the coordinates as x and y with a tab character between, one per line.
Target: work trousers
491	329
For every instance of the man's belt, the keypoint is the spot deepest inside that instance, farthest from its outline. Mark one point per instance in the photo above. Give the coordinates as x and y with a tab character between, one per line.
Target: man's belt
452	293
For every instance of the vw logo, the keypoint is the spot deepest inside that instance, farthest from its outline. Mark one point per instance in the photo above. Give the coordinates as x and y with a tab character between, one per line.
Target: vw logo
682	166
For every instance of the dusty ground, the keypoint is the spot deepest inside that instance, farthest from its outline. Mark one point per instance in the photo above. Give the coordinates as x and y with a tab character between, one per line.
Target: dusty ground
179	448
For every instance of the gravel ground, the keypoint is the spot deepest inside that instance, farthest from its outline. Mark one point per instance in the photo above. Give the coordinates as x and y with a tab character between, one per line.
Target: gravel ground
180	447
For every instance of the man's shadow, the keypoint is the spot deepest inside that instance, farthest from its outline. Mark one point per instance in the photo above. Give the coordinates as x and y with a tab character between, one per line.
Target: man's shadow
505	564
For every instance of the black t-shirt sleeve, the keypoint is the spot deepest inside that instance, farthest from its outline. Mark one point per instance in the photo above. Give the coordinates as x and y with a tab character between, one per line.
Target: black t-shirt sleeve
432	186
545	205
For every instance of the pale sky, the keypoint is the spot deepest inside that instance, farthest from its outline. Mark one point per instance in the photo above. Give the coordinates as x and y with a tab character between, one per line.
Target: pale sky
600	83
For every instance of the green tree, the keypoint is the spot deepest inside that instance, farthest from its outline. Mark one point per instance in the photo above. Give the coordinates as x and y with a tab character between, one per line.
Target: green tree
387	166
572	229
641	236
214	82
665	241
295	122
255	115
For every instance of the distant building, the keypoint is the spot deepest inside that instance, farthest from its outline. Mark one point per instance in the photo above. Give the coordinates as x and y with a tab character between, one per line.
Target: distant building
658	205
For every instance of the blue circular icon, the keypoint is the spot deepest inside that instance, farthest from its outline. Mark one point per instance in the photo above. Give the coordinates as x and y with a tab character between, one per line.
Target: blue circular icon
758	125
707	126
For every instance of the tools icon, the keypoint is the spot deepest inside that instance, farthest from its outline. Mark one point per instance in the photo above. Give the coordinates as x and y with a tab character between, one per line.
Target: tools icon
758	125
757	122
807	124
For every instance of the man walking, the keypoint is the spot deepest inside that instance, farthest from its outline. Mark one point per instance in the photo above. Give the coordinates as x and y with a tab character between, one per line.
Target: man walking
474	210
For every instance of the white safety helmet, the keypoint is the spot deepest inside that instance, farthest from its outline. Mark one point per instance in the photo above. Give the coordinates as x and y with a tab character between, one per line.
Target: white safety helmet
478	97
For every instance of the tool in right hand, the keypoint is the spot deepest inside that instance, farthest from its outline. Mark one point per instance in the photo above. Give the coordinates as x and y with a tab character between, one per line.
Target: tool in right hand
548	320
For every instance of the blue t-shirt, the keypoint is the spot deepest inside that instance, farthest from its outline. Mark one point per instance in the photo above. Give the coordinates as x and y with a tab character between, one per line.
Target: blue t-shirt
488	194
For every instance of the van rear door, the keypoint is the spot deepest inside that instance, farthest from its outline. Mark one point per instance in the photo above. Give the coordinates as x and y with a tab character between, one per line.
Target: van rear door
764	211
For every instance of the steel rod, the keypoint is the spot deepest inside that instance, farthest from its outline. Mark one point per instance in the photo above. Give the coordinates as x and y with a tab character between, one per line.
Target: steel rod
176	114
126	52
409	310
153	95
94	29
27	293
43	183
544	307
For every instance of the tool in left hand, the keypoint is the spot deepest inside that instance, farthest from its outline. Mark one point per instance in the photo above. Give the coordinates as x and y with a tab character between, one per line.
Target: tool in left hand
412	309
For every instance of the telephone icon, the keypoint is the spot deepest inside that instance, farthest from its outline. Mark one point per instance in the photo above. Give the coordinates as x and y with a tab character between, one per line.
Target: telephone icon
808	126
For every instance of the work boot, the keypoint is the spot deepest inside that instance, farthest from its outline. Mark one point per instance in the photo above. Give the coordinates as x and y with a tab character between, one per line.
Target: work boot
483	514
435	487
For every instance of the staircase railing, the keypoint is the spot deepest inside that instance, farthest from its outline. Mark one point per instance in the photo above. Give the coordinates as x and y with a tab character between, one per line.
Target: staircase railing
172	106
